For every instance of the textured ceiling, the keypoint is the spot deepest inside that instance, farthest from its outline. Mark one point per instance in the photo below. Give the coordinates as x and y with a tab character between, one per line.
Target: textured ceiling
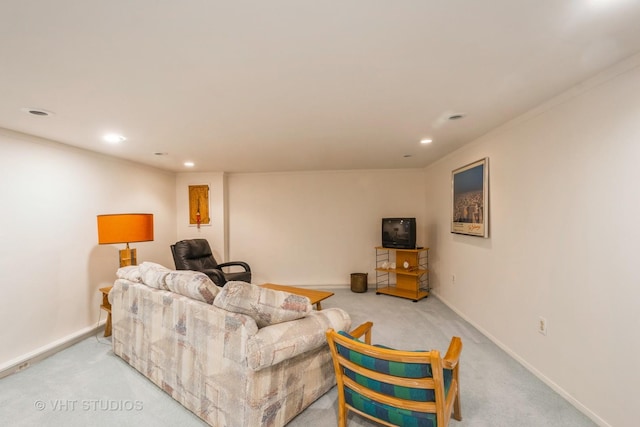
248	86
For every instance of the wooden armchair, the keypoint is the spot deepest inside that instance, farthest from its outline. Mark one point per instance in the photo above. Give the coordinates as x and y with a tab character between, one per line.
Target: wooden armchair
394	387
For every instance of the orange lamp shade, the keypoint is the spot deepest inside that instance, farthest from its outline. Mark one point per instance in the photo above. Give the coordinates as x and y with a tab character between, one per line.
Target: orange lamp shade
125	228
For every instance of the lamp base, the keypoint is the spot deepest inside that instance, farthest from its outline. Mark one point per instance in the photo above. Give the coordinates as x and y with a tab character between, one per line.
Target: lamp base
128	256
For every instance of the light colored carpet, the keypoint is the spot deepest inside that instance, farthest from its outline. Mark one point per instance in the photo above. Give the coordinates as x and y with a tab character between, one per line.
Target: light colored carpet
86	385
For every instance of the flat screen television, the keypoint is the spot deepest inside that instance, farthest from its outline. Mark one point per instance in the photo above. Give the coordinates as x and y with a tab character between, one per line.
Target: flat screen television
399	233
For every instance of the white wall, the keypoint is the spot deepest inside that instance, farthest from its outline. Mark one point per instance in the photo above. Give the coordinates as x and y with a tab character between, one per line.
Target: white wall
215	233
51	265
564	243
316	228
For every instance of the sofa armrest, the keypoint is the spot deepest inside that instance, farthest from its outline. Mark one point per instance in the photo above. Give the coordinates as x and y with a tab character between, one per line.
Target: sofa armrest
275	343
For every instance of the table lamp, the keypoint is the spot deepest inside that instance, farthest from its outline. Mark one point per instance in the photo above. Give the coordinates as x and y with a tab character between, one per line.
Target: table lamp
125	228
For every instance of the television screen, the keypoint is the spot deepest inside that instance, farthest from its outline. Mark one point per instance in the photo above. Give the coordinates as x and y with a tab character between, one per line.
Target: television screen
399	233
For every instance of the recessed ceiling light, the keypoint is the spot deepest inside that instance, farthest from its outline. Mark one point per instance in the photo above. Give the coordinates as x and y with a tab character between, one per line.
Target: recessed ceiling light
37	112
456	116
189	164
160	153
426	141
114	138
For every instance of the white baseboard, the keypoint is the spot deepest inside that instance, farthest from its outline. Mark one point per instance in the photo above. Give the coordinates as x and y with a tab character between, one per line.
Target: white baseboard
555	387
318	287
328	286
23	362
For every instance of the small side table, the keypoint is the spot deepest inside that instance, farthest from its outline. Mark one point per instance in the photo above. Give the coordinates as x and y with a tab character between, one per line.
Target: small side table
106	306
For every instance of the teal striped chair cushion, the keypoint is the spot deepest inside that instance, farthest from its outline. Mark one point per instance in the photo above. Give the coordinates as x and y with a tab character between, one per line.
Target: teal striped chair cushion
401	417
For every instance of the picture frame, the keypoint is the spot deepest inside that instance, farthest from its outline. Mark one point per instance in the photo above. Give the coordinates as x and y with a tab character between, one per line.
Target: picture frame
199	205
470	199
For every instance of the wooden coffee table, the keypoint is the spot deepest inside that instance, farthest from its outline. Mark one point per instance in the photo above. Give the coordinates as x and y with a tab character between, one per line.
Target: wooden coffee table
314	296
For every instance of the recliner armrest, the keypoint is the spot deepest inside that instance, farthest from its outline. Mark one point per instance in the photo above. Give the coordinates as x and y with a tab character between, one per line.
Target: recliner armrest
236	263
217	276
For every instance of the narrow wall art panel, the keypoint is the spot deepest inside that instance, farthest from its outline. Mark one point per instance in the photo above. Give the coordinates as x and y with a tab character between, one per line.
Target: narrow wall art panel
199	205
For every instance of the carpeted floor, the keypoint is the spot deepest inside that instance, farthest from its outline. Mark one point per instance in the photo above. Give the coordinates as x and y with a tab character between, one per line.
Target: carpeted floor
86	385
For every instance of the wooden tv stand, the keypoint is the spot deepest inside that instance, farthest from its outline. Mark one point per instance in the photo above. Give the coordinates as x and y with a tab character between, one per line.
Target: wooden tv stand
411	282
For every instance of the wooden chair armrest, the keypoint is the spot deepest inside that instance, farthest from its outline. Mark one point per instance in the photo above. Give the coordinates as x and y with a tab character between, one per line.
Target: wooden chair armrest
450	359
365	329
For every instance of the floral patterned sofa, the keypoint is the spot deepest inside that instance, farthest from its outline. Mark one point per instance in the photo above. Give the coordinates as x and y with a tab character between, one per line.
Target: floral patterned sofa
240	356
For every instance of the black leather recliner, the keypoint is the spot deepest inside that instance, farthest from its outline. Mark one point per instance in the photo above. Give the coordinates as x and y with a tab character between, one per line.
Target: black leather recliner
195	254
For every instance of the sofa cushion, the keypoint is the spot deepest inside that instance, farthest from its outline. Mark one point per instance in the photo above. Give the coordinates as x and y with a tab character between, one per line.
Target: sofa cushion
265	306
154	275
130	273
192	284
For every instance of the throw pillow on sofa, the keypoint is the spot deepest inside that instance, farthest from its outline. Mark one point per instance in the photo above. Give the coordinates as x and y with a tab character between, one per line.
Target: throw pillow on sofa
265	306
154	275
192	284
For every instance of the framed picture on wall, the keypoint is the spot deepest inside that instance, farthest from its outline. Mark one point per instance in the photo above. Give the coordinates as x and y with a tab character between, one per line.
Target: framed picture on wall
199	205
470	201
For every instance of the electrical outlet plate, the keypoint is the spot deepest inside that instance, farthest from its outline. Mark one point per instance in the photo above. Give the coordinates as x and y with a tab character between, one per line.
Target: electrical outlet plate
22	366
542	325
